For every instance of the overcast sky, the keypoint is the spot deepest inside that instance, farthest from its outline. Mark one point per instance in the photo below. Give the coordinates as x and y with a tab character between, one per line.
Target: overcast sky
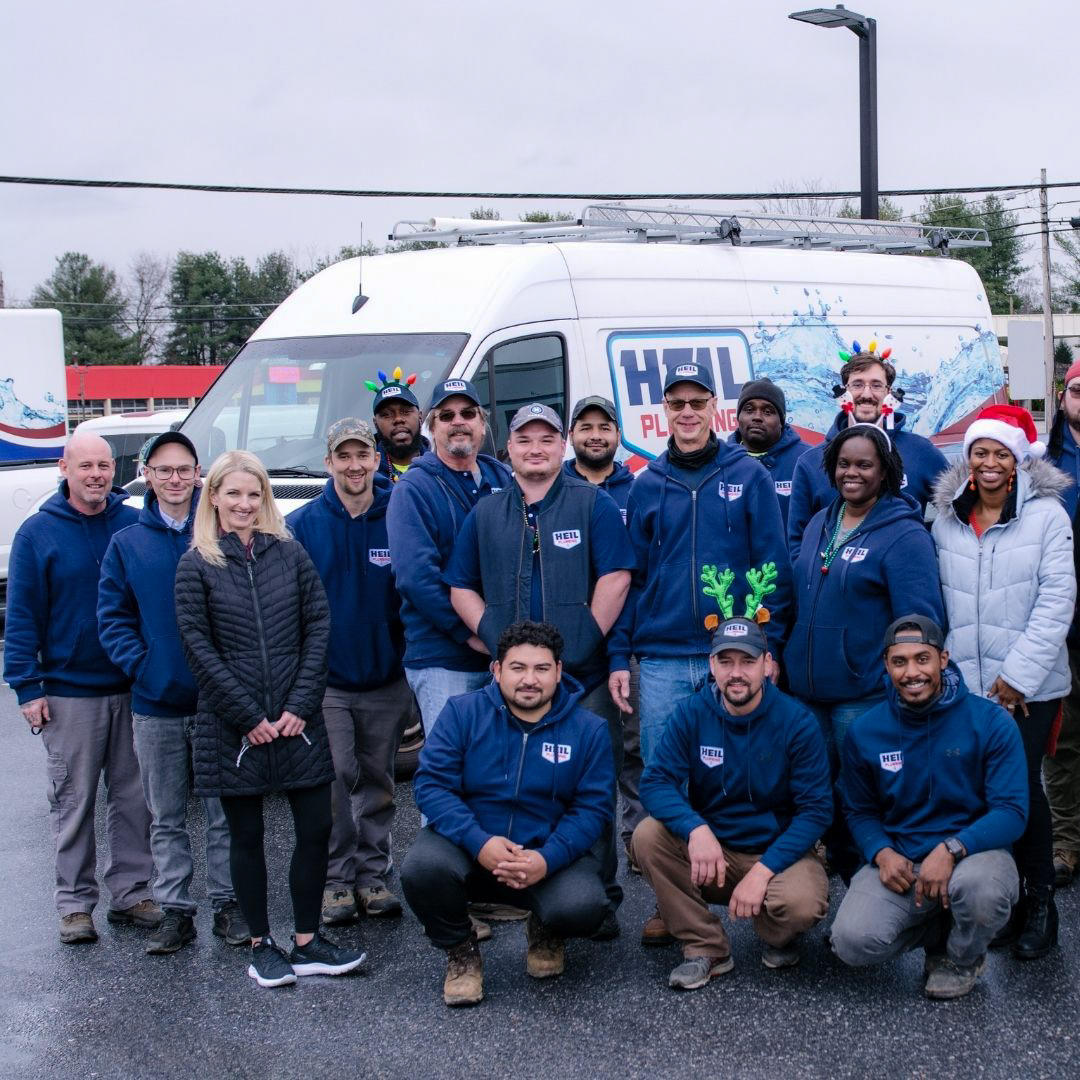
477	95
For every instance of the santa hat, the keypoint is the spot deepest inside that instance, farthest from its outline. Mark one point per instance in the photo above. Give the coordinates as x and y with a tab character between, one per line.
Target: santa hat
1009	425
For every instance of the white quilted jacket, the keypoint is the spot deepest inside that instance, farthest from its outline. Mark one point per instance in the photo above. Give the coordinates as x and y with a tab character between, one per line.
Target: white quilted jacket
1009	597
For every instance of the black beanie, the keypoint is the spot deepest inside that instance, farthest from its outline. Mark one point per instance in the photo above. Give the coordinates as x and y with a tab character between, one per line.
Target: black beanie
765	390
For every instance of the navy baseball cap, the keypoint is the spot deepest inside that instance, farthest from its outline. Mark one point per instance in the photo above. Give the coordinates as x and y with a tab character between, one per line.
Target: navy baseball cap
153	445
451	388
690	371
394	392
744	635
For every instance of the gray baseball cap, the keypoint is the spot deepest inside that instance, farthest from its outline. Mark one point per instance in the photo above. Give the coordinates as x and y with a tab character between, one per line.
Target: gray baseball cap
536	411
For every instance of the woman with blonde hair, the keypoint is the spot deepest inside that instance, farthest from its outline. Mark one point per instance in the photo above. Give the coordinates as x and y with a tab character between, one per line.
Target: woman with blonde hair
255	625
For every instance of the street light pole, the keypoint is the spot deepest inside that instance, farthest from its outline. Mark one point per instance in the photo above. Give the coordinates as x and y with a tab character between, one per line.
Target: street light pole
865	29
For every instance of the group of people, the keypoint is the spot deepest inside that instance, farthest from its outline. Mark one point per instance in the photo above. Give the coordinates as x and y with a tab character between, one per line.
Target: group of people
758	648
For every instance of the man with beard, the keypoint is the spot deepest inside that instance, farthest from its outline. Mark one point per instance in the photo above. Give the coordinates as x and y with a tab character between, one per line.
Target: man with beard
1061	772
738	794
767	437
443	657
516	783
935	790
550	548
367	700
868	379
396	413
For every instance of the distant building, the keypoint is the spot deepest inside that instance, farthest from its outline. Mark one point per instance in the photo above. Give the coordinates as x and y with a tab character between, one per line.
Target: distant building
107	389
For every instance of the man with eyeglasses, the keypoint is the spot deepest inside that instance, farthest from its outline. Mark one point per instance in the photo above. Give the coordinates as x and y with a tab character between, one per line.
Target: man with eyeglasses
702	503
443	657
868	378
137	623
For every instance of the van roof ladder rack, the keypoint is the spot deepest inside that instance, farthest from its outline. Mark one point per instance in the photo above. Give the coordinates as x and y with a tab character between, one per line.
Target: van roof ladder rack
653	224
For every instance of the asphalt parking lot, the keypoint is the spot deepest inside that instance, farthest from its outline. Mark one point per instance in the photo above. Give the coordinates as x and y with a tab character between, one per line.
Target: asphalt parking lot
108	1010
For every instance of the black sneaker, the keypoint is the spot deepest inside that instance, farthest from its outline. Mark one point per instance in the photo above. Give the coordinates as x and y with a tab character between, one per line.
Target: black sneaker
230	924
269	965
174	932
320	956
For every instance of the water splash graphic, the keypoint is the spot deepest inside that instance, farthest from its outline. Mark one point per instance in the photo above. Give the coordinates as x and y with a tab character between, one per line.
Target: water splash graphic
17	414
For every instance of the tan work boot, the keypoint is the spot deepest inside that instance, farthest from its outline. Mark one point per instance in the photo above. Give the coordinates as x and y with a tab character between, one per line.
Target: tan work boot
547	954
655	932
145	914
1066	863
464	982
338	906
77	928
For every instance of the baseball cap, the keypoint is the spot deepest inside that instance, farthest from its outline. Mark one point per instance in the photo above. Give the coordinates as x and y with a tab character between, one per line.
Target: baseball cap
594	401
690	371
536	411
449	388
348	428
153	445
914	630
745	635
394	392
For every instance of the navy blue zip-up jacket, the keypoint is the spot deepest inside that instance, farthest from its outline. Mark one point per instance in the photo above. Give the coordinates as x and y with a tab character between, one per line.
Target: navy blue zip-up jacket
617	485
136	612
731	521
428	507
547	788
911	780
51	641
811	490
885	569
1063	452
352	556
760	781
780	460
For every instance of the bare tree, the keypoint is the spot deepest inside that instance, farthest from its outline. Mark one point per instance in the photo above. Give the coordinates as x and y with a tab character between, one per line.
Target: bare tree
145	316
802	205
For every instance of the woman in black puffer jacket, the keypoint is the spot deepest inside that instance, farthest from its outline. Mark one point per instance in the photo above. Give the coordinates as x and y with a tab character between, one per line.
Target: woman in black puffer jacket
255	625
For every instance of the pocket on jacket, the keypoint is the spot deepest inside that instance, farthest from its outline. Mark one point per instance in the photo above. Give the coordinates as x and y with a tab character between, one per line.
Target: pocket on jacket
818	662
580	631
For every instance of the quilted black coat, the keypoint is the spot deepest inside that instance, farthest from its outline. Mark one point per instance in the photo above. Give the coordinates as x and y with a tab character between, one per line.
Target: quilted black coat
256	633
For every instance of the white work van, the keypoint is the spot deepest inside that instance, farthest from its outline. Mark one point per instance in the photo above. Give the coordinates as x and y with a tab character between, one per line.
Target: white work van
544	313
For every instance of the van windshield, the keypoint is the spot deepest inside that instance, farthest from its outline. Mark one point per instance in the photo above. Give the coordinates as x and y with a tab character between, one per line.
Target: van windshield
278	397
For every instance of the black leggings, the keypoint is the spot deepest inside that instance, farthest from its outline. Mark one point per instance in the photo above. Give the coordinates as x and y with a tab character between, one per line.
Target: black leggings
1034	850
307	871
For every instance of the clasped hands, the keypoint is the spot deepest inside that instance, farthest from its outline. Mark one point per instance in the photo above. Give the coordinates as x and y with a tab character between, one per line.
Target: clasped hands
287	724
511	864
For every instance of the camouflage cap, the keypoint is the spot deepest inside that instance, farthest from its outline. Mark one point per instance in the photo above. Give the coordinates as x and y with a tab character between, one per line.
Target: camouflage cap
349	428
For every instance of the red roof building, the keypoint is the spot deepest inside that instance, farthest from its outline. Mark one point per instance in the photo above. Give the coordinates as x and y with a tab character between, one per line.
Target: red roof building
104	389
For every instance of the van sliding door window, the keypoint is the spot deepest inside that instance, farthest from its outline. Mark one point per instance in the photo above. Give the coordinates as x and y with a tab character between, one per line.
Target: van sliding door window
516	373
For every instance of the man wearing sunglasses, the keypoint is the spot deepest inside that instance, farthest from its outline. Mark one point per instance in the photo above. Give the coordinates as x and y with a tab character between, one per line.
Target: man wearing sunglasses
137	623
429	504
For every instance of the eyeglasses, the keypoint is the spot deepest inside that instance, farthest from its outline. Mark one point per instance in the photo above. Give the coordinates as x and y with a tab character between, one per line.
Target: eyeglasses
876	386
164	472
446	416
698	404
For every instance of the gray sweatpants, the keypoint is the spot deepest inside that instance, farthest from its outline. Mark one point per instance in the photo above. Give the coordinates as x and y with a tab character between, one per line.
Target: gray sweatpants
86	737
875	924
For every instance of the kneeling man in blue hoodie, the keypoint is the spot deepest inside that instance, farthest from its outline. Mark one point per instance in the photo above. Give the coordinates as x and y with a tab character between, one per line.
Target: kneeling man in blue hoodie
739	794
935	793
515	780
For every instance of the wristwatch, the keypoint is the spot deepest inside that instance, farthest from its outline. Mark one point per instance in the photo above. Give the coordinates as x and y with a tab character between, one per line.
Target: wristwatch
955	848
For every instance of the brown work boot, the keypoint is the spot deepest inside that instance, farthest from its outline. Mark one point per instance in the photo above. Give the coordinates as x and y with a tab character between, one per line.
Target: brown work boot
546	956
1066	864
145	914
77	928
338	907
481	930
464	983
654	932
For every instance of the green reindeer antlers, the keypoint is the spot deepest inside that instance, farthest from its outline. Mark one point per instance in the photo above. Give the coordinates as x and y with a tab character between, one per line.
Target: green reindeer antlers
717	587
762	583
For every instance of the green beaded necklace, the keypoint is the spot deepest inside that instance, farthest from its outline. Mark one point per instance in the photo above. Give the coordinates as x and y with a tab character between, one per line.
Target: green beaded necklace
837	540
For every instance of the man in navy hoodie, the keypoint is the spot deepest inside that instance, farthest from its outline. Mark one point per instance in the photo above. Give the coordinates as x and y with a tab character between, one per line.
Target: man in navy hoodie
71	692
739	793
935	792
137	621
766	436
367	701
430	503
867	378
516	783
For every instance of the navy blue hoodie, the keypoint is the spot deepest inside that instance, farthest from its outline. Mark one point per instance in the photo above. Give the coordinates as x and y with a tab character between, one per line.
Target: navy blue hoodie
617	485
428	507
51	641
547	787
136	612
759	781
911	780
1063	452
811	490
352	556
780	460
885	569
732	520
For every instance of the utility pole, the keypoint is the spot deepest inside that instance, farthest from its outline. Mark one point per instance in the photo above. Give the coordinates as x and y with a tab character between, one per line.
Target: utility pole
1048	315
1	290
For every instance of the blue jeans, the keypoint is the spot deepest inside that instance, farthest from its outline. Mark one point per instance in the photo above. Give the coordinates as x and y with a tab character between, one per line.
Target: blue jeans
664	683
434	686
836	720
162	745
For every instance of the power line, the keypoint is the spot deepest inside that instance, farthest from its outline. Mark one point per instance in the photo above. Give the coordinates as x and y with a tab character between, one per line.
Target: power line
362	193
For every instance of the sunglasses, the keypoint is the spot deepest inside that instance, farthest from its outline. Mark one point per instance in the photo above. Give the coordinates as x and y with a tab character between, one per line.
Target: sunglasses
698	404
445	416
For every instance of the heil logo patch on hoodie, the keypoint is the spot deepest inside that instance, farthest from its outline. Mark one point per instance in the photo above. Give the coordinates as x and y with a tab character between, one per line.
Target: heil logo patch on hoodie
379	556
854	554
555	753
783	487
711	756
893	761
731	492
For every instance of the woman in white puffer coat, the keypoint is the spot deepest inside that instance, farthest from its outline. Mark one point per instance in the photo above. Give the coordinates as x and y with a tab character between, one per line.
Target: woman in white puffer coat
1005	554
